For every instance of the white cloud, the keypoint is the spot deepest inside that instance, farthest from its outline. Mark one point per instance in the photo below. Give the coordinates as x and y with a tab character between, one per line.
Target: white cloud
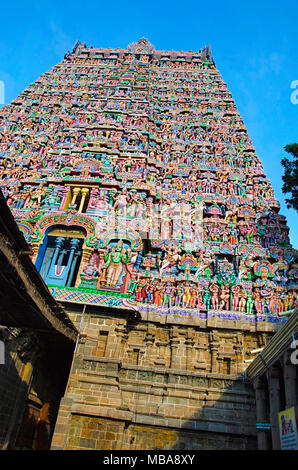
60	41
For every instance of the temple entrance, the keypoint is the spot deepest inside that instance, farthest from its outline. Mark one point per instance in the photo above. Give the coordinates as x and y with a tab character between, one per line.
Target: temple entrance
62	250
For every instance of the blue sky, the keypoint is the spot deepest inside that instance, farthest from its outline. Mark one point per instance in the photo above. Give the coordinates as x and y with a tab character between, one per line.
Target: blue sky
254	45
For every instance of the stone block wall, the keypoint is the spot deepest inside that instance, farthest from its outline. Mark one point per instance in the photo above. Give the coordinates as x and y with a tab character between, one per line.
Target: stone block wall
159	384
32	382
13	388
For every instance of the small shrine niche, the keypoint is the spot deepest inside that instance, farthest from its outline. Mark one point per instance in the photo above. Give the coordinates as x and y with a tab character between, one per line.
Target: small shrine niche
59	256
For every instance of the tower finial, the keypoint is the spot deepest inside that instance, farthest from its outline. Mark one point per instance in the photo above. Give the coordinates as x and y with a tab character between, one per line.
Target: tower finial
142	46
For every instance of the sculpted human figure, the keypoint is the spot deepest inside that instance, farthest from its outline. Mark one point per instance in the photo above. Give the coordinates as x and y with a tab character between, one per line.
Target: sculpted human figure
168	294
171	259
247	266
224	297
121	202
194	297
249	302
200	302
138	293
235	291
206	297
90	270
242	300
204	263
292	299
147	291
133	202
37	195
257	301
214	289
158	294
186	295
266	296
114	262
98	201
233	236
179	295
275	304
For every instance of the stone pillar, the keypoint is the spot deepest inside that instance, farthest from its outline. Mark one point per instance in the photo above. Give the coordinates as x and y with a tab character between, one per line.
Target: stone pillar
214	356
161	353
274	400
189	346
84	192
149	341
174	345
76	192
64	194
59	242
290	381
201	356
71	265
121	338
260	392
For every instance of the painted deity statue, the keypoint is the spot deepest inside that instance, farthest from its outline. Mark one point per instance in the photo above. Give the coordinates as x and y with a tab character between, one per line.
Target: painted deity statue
206	297
115	260
179	295
224	297
168	294
249	302
205	264
242	300
90	270
121	202
214	289
186	298
235	290
257	301
157	294
171	260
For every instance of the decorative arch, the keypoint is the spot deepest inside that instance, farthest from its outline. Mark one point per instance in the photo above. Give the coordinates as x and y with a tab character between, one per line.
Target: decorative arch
59	252
143	46
27	231
131	236
68	220
41	245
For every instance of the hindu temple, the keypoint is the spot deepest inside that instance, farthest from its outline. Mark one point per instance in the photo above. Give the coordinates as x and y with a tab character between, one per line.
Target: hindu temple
150	218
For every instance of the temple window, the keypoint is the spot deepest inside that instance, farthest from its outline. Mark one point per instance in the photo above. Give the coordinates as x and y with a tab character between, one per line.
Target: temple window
102	343
77	198
59	257
226	366
135	356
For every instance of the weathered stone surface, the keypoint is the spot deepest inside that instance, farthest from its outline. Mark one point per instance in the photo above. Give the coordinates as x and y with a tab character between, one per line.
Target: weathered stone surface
160	398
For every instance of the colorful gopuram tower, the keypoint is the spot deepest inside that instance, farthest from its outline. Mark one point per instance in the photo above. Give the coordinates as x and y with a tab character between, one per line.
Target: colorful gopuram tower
132	176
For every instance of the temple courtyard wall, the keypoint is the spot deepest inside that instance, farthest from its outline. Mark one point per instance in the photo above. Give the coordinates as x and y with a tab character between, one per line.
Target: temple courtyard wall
145	381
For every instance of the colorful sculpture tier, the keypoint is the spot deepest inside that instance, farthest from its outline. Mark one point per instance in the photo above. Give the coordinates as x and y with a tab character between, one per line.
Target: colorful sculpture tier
131	175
